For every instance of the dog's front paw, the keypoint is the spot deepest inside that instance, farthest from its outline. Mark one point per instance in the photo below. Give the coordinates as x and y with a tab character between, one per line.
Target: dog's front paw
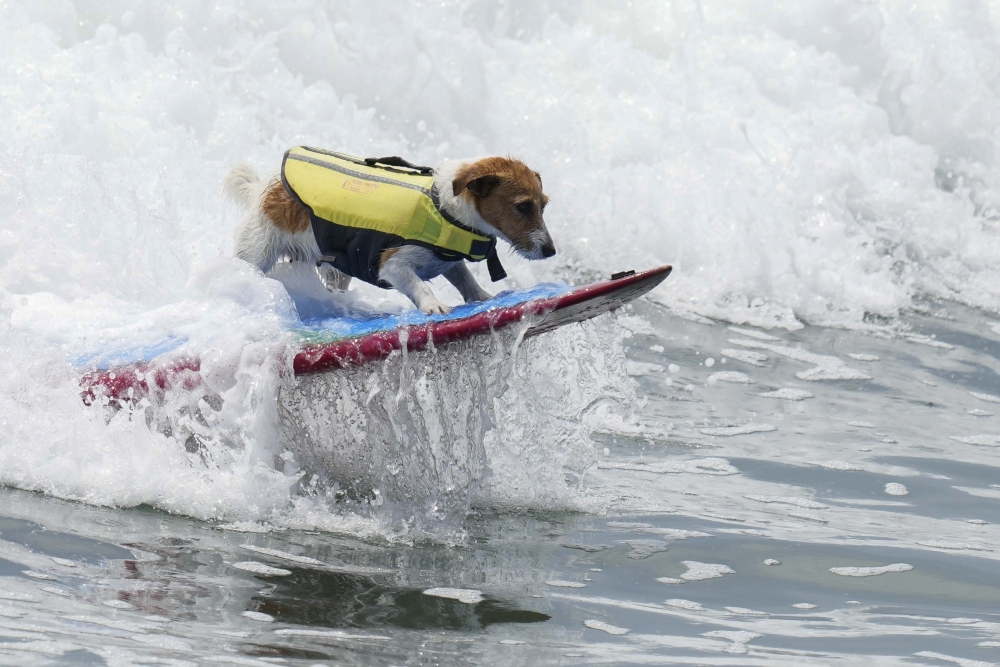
434	307
481	295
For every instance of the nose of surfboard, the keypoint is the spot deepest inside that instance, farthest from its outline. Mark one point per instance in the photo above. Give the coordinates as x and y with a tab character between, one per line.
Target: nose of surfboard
599	298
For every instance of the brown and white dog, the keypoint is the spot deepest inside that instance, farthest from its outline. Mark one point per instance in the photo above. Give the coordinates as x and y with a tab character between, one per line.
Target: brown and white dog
494	196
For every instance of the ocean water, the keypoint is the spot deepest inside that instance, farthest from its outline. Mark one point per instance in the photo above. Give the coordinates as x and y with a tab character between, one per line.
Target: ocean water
786	454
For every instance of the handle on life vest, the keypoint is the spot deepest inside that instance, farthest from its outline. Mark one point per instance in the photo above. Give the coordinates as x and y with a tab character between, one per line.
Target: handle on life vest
396	161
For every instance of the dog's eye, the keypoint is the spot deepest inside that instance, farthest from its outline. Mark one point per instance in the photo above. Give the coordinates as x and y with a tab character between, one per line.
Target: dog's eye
525	208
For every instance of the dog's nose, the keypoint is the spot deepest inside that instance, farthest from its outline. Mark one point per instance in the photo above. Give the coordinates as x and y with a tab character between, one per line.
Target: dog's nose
548	249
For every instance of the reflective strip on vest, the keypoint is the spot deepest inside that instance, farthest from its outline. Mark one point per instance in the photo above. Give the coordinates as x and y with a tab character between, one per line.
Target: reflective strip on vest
345	191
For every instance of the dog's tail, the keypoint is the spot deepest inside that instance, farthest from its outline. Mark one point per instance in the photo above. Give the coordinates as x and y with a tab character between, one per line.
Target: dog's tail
241	184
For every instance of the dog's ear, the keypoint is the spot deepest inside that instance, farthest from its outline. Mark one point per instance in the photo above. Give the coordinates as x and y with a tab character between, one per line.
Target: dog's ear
481	186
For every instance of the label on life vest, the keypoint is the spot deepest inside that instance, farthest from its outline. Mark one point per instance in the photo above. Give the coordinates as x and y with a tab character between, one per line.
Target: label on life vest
359	186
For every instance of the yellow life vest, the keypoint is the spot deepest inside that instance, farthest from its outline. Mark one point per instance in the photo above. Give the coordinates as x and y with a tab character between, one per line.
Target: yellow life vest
361	207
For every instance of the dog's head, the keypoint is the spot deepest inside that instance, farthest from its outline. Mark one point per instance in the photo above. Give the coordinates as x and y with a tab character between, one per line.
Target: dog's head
508	196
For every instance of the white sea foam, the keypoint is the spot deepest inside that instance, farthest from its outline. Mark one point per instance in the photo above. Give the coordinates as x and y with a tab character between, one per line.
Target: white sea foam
982	440
730	376
739	638
559	583
961	662
706	466
839	465
258	616
605	627
896	489
825	367
871	571
681	603
639	549
789	394
751	333
328	634
464	595
701	571
989	398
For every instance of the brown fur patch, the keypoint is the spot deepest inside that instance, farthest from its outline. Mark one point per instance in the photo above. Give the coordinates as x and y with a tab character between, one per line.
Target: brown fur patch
386	255
497	185
283	210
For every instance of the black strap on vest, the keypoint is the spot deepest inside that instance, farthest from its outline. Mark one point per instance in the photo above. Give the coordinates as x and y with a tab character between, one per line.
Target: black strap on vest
495	267
396	161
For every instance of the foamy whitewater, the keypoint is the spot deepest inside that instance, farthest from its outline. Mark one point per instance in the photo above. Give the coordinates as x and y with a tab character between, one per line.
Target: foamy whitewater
760	445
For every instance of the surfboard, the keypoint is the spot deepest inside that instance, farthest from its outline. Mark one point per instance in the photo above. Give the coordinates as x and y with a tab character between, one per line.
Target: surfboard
329	344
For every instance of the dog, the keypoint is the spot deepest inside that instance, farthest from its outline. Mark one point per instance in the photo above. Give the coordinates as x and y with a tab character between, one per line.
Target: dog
470	204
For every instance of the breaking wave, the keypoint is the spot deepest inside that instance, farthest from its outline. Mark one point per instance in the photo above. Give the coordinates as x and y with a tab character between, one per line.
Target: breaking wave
829	163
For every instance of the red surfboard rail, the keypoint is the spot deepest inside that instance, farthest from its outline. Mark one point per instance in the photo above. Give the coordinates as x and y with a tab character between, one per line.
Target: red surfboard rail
582	303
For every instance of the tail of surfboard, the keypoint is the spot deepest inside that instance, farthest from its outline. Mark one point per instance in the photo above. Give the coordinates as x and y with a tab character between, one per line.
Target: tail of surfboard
241	184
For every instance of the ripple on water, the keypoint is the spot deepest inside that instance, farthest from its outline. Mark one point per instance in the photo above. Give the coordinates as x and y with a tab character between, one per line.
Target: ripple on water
956	546
284	555
741	429
118	604
743	611
255	567
746	356
795	501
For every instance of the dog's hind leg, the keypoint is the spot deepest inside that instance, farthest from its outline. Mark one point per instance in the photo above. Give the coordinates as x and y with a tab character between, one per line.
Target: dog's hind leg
257	242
